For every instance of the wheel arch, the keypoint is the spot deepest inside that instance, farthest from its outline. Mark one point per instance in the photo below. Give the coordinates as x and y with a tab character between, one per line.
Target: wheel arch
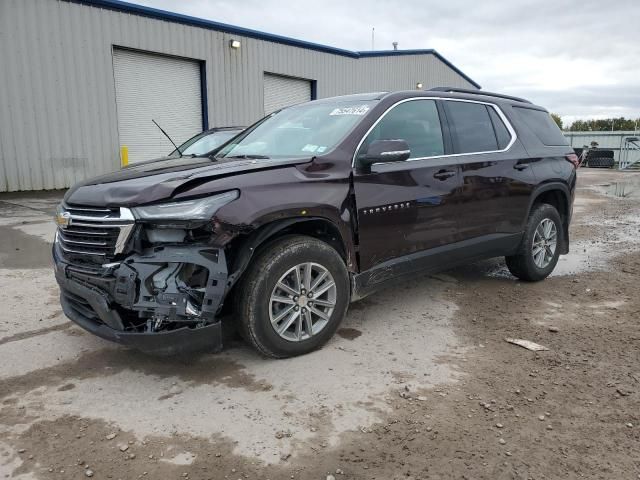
321	228
556	194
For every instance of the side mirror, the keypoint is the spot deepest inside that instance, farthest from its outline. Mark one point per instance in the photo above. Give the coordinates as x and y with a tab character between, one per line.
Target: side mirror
385	151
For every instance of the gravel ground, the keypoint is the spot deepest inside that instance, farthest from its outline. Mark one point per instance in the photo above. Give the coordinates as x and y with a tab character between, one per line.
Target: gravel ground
419	383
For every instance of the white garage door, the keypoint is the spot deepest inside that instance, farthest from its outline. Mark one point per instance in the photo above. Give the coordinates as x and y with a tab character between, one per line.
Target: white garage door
281	92
155	87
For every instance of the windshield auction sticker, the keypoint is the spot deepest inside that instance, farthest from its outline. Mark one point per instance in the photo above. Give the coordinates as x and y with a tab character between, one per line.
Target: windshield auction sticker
310	148
357	110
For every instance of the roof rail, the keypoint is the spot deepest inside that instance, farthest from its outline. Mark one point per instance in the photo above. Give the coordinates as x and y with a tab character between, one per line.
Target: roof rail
477	92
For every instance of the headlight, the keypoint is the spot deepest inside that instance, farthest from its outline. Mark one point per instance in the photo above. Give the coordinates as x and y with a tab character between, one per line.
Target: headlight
200	209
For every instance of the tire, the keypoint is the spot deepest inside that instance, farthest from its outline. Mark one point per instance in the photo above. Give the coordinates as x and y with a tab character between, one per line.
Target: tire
522	264
255	308
601	162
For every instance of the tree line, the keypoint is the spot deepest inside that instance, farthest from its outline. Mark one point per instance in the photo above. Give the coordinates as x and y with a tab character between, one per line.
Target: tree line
600	125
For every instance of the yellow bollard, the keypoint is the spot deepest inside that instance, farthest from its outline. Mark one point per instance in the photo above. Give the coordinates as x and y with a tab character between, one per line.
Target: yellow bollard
124	155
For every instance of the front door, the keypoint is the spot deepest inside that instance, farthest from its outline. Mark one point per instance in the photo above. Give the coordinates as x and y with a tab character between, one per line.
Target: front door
407	207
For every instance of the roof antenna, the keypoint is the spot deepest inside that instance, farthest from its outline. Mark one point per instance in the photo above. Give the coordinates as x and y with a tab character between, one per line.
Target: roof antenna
373	38
395	45
166	135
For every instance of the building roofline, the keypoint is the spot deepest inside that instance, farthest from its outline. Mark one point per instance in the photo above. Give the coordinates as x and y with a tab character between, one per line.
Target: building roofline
159	14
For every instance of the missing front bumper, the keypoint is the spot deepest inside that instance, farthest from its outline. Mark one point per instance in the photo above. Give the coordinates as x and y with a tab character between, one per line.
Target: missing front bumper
94	302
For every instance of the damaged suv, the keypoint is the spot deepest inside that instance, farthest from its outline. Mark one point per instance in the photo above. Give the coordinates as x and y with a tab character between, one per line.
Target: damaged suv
311	208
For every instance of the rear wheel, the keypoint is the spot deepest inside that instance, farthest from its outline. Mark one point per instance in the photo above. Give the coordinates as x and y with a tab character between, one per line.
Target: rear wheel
293	297
539	250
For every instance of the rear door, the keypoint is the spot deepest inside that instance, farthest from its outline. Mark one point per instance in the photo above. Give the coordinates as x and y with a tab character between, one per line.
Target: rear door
497	175
407	207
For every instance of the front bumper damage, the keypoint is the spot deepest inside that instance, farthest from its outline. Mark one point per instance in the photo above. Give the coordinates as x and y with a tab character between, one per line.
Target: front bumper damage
143	303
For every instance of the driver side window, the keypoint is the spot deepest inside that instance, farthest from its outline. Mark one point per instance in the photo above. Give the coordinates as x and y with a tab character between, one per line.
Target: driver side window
417	122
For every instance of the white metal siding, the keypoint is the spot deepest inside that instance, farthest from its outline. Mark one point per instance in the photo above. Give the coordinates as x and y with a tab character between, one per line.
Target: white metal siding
608	140
156	87
280	92
58	121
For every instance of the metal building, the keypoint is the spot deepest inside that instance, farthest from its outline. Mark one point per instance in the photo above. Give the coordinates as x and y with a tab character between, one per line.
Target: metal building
623	151
81	78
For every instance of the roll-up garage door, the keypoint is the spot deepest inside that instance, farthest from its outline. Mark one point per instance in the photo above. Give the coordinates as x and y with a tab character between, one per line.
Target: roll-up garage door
282	91
165	89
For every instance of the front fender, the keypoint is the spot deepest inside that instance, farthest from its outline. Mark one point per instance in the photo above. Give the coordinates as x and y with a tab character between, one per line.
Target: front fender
252	242
274	199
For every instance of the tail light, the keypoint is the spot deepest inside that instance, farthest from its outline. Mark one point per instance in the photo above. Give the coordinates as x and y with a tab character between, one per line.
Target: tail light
573	158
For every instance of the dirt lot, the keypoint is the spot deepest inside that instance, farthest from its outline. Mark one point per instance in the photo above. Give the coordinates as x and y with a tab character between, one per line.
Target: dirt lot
419	383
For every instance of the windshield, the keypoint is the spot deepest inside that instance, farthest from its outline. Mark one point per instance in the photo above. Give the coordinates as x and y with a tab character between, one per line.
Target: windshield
301	131
204	143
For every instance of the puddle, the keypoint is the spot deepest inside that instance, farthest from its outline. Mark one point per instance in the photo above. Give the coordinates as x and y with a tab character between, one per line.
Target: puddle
21	250
44	230
583	256
627	188
44	202
624	189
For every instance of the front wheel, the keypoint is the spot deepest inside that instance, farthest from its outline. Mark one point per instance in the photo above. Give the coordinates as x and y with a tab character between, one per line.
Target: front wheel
539	250
293	297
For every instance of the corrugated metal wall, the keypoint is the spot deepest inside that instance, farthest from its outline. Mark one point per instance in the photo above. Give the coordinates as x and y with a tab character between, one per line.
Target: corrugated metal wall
57	97
156	88
280	92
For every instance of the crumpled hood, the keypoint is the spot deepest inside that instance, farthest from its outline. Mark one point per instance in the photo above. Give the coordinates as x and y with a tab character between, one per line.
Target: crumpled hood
151	182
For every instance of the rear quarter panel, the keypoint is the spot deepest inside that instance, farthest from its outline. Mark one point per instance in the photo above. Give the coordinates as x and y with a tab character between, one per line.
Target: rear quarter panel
549	162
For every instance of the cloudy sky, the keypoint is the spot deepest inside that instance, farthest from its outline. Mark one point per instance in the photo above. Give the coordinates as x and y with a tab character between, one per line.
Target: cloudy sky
578	58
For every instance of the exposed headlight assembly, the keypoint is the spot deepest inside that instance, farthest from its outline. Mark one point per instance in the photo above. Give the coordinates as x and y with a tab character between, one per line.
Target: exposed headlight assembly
199	209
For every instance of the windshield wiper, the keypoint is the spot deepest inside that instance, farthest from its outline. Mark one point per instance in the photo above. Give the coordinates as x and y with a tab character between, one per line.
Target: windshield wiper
250	157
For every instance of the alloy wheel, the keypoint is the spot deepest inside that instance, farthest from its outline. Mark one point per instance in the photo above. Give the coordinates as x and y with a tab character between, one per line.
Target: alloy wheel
545	241
302	301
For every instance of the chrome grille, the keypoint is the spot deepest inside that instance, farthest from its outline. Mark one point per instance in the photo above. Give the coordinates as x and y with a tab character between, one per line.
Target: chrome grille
100	233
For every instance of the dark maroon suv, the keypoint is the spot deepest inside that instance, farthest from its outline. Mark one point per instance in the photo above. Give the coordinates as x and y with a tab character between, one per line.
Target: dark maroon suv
313	207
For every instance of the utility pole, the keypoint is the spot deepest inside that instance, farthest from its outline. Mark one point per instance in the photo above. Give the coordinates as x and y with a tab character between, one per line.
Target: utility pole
373	38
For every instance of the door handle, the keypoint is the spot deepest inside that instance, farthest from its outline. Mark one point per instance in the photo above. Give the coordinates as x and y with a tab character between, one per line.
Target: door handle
521	166
444	174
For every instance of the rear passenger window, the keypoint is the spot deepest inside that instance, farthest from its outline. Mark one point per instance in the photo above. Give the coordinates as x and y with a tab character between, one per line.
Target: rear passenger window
471	127
541	123
502	134
417	122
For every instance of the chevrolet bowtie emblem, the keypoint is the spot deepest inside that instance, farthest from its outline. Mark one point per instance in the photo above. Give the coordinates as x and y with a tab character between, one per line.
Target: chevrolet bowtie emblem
63	219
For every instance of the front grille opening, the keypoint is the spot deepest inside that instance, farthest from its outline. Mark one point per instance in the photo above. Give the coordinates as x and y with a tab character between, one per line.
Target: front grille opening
94	235
95	240
96	212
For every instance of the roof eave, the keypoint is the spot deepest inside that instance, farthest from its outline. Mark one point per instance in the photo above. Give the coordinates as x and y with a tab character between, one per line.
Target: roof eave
165	15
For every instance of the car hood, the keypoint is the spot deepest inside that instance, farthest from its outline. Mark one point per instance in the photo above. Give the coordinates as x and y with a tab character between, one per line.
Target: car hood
159	180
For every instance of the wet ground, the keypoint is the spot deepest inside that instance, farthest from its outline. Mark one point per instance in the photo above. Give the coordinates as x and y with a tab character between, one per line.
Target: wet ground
417	383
